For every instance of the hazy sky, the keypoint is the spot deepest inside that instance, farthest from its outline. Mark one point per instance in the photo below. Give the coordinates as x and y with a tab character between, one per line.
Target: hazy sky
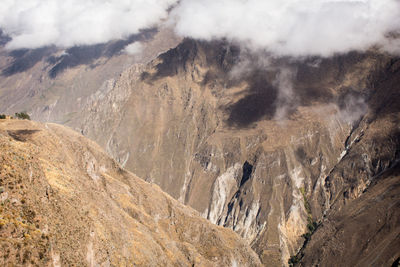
284	27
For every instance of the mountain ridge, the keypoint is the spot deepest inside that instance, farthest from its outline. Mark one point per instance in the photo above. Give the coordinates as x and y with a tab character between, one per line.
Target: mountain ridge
65	202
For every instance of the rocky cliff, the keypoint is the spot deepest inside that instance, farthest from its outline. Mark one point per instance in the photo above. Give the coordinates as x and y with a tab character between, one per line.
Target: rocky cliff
361	226
64	202
267	148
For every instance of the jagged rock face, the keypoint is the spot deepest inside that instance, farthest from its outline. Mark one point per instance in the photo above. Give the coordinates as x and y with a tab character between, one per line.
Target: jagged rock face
64	202
365	232
242	150
53	84
362	225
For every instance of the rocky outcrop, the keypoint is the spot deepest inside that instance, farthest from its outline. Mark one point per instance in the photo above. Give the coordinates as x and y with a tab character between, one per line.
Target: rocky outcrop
64	202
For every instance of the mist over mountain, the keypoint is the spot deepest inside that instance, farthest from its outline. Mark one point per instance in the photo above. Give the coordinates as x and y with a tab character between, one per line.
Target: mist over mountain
33	24
294	28
277	122
290	27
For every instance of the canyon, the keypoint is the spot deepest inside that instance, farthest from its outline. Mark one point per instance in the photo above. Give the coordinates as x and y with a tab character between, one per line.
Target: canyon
297	156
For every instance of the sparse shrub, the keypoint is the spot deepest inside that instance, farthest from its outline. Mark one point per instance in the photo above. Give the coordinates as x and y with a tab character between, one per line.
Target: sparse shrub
293	260
312	226
307	235
2	116
22	116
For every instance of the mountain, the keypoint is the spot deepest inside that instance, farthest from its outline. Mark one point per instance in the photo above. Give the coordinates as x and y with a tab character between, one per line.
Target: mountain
365	232
53	84
65	202
268	152
297	156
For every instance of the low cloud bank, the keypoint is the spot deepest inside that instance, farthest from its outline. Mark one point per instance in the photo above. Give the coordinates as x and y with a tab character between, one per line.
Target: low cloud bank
281	27
66	23
293	27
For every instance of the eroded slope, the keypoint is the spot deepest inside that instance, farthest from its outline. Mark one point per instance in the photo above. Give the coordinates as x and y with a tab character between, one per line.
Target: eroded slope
65	202
54	84
250	147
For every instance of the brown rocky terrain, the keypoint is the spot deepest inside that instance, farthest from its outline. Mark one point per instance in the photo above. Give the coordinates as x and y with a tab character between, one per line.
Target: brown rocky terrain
64	202
54	84
365	232
362	226
265	151
288	153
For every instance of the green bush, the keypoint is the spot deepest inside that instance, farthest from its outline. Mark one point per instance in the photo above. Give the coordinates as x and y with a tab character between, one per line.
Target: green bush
307	236
2	116
293	260
312	226
22	116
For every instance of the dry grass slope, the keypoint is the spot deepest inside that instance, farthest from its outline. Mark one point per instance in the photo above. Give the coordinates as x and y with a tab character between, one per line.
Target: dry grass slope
64	202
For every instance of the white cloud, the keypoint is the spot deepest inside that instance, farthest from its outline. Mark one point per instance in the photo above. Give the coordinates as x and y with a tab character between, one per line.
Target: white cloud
283	27
292	27
134	49
352	108
65	23
286	95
